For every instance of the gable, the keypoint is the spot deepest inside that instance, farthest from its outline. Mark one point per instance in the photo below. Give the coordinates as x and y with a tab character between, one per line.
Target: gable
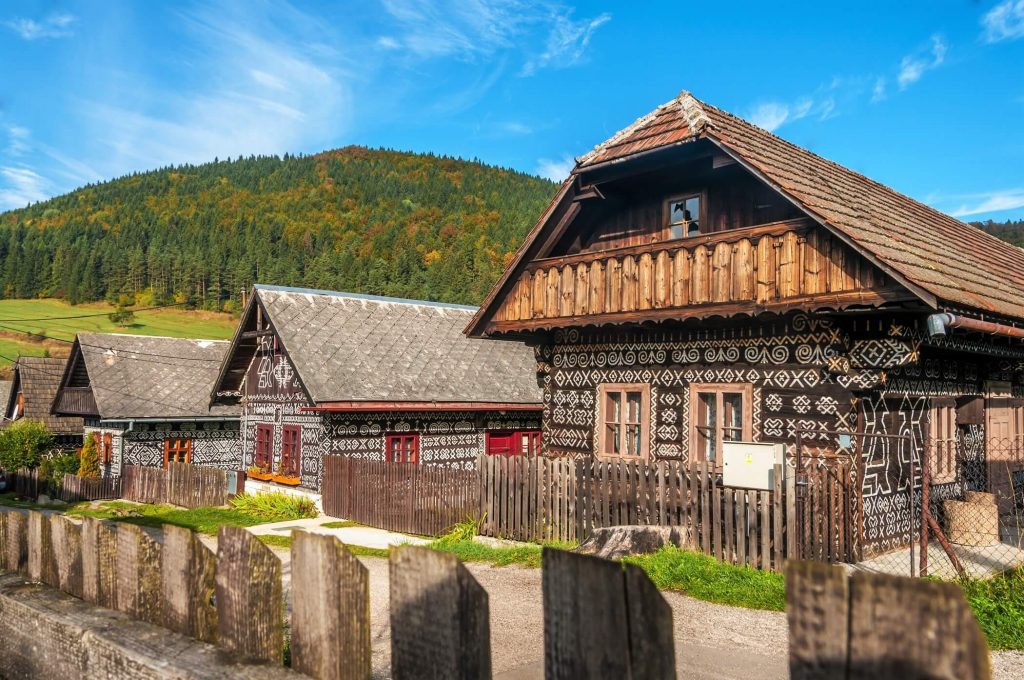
271	375
75	394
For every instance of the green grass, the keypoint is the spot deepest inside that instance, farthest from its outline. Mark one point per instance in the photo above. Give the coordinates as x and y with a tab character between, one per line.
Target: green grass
340	524
274	506
177	323
275	541
705	578
998	605
202	520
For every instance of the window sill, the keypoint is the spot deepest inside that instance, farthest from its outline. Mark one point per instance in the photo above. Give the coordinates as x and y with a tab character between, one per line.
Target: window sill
286	480
264	476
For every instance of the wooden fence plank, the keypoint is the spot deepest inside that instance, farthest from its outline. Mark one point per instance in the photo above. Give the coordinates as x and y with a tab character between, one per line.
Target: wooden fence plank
330	611
188	584
99	562
67	549
817	604
139	589
16	536
42	564
586	599
440	622
249	598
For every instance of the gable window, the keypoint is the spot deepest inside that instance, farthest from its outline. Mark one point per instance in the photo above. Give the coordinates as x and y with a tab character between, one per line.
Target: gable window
291	450
720	413
942	440
107	449
624	418
263	456
177	450
402	448
683	216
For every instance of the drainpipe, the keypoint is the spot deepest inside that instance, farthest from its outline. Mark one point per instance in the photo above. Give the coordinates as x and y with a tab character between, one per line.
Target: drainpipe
938	324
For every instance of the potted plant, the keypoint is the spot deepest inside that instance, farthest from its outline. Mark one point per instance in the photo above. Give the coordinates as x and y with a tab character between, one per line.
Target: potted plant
282	477
259	472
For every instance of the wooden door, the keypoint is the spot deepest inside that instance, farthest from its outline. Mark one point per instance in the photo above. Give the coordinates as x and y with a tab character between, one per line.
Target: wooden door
1001	455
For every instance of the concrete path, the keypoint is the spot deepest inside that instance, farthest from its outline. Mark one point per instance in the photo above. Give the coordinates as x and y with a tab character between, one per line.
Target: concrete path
366	537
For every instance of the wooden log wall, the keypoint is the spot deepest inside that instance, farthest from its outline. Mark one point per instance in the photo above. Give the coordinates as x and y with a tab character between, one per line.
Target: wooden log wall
764	265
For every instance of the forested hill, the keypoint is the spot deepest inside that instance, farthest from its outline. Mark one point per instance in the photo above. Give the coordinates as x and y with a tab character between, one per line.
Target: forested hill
355	219
1011	230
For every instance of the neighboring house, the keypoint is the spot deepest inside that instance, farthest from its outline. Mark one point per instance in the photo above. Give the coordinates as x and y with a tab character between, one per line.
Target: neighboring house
5	394
697	279
321	372
147	400
31	394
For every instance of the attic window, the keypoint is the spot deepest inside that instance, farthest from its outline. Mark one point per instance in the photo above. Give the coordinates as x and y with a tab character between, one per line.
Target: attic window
683	216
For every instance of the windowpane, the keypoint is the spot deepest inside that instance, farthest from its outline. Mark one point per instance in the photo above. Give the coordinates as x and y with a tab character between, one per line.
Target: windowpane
684	217
614	407
732	406
633	404
692	216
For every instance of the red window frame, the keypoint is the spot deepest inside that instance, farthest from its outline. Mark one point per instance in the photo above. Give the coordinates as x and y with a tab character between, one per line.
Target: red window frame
107	449
263	454
402	448
291	450
512	443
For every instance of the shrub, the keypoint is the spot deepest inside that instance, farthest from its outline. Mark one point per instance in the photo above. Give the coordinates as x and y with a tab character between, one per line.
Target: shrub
23	443
998	604
275	506
54	466
90	460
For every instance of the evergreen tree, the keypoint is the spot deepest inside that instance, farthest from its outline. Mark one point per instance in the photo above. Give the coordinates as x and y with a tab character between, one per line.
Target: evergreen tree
90	458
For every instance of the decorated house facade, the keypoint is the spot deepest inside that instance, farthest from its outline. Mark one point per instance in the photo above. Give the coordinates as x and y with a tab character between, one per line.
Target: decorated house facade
147	400
698	280
321	372
30	395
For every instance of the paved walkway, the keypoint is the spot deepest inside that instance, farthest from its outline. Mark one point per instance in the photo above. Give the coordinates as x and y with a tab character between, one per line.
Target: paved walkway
366	537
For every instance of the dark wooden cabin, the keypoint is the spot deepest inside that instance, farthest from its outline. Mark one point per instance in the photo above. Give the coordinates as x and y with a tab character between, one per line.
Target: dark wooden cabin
697	280
31	394
146	400
322	372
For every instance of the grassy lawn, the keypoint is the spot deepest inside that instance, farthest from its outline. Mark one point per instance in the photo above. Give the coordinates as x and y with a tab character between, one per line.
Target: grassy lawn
179	323
202	520
998	604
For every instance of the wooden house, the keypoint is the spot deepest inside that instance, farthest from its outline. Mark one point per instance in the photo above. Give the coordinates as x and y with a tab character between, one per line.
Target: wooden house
31	393
320	372
697	280
147	400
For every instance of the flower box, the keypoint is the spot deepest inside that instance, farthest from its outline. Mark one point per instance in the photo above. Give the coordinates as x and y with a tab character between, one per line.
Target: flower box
265	476
285	479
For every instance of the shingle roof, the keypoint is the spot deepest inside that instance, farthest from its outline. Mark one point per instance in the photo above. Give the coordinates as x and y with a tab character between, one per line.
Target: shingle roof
135	376
348	347
38	378
951	260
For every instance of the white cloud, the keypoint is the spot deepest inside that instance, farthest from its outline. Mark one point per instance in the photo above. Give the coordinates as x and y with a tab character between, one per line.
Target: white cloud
20	186
913	66
293	97
1005	21
18	140
514	127
878	91
770	115
555	170
53	26
987	202
469	29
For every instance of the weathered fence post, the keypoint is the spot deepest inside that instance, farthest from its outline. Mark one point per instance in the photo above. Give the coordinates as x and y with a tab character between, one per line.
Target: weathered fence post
440	618
879	626
586	602
331	609
16	545
188	583
42	566
817	608
249	599
99	562
138	591
67	549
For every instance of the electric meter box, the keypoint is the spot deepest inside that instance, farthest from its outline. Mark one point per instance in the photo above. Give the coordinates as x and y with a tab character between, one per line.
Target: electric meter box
750	465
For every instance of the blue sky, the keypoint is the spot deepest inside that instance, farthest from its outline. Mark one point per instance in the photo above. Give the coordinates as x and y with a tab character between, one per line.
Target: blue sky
927	97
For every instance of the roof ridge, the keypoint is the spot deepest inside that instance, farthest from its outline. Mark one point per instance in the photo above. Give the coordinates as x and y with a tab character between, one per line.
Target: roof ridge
361	296
155	337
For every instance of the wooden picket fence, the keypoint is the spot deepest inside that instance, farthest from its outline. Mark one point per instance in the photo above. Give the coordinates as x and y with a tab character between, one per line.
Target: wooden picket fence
601	619
74	488
25	482
189	486
562	499
405	497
